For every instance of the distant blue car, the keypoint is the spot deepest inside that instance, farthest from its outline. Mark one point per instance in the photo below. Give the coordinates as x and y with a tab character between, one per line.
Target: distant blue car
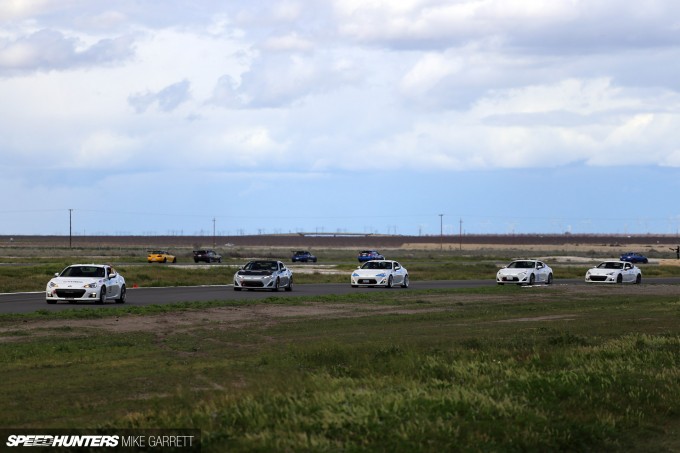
368	255
634	257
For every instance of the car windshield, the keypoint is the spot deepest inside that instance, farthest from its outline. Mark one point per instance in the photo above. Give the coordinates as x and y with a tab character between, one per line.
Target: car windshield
521	265
610	265
377	265
83	271
261	266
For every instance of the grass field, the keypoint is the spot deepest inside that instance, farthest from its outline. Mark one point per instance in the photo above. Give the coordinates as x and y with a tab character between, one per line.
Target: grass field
495	369
560	368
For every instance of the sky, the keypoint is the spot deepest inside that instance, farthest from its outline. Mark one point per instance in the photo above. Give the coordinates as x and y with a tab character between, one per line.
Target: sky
415	117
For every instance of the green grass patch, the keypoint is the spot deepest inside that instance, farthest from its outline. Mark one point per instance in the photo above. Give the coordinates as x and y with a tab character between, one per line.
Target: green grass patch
491	369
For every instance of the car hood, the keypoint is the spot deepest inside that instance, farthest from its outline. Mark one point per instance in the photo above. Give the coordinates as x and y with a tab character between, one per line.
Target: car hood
513	271
371	272
244	272
600	271
65	281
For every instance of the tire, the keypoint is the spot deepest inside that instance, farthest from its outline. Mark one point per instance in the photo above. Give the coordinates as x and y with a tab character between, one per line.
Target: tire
619	279
219	260
165	260
406	282
102	295
532	280
289	286
390	280
638	279
355	286
51	302
237	288
195	261
276	285
122	295
550	279
174	260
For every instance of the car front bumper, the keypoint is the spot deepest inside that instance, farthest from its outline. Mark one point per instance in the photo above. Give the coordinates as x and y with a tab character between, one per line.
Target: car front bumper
72	295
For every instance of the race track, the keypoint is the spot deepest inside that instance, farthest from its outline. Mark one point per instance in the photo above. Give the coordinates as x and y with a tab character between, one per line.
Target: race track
31	302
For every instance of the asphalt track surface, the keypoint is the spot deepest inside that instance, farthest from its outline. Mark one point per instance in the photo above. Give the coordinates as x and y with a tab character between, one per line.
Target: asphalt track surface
31	302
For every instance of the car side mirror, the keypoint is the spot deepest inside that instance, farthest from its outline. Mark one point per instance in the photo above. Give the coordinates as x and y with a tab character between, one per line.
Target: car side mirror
112	275
56	274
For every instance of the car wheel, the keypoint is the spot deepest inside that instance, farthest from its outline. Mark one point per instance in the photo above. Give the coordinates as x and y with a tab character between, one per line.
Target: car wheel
174	260
532	279
165	260
405	283
389	281
51	301
102	295
237	288
219	260
638	279
122	296
619	278
195	260
550	279
353	286
276	285
289	286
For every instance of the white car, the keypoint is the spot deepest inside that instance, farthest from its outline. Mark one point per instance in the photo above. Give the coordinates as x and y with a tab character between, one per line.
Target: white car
86	282
385	273
263	274
614	271
523	272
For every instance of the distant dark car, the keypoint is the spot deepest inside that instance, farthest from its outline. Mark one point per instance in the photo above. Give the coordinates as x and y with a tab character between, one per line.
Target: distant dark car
207	256
303	256
368	255
634	257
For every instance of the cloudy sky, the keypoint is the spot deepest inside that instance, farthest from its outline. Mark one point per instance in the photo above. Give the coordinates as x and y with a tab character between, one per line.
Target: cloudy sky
265	116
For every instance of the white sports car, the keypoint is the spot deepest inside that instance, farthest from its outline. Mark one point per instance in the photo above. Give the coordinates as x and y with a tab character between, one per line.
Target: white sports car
270	275
614	272
385	273
86	282
527	272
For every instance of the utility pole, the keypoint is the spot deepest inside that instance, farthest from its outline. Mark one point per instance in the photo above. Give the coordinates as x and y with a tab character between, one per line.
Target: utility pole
441	231
214	239
460	235
70	228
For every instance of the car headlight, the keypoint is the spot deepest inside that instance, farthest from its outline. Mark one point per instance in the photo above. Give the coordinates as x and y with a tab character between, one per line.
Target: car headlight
52	285
91	285
382	274
354	274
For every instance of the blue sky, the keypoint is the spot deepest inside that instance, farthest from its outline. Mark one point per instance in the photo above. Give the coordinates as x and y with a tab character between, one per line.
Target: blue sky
171	117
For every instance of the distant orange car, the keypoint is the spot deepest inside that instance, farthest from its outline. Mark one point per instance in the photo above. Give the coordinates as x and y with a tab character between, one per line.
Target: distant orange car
160	256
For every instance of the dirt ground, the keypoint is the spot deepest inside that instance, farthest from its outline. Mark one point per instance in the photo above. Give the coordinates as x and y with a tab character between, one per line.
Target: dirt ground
263	314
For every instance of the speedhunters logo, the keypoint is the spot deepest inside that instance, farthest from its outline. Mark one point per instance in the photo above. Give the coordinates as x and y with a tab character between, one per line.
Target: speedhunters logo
37	440
127	440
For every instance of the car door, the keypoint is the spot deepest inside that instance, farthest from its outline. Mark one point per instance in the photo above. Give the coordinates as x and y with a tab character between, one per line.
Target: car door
628	274
398	273
283	274
541	272
112	284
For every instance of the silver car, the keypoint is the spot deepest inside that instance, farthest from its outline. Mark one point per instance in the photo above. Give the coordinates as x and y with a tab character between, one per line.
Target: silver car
263	274
385	273
86	282
525	272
